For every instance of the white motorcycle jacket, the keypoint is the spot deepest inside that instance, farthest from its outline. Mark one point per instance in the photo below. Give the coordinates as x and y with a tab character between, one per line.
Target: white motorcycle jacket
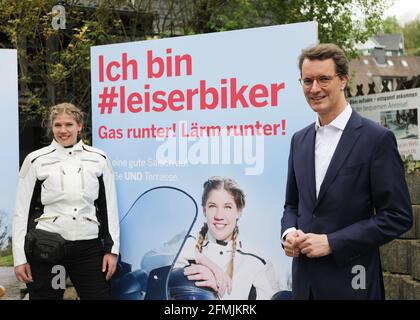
66	190
253	276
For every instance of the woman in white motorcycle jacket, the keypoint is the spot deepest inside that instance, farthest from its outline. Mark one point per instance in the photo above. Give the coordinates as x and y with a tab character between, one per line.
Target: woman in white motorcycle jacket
68	188
218	258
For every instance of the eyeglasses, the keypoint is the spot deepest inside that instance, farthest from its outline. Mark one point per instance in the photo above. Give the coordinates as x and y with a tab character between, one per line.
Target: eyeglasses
322	81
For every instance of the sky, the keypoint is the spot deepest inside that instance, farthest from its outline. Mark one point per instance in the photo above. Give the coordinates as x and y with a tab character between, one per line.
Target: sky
404	10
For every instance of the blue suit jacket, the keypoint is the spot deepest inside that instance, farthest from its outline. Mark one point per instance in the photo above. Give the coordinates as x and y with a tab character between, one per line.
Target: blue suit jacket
365	176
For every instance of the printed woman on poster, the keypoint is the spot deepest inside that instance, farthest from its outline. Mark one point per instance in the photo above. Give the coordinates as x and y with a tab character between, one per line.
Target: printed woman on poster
218	258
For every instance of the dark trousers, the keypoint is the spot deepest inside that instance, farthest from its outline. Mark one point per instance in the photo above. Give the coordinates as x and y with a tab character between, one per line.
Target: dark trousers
82	263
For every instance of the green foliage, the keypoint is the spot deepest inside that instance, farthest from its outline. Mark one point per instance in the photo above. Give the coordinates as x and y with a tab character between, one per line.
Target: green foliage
410	165
391	25
6	250
6	261
343	22
411	32
413	52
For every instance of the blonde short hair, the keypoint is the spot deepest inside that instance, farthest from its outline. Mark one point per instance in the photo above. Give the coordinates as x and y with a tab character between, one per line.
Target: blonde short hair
67	108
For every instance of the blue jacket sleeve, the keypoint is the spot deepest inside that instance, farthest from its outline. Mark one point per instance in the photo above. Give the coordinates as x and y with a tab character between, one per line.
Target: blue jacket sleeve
391	200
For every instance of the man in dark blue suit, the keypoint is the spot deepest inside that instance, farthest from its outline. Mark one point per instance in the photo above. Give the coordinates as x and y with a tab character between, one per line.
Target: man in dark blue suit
346	193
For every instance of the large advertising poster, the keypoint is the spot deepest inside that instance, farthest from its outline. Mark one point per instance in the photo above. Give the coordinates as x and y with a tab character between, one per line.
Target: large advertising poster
397	111
171	114
10	145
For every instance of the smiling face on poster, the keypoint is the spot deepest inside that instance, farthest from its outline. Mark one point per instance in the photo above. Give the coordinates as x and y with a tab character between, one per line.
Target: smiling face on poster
176	112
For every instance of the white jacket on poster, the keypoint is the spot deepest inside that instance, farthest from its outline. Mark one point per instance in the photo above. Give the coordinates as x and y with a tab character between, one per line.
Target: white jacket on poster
67	185
251	271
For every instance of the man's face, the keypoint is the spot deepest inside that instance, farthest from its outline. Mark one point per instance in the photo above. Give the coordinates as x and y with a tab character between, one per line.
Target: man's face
324	95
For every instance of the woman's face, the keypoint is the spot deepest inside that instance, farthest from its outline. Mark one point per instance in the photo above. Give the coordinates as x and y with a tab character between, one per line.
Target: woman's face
65	129
221	214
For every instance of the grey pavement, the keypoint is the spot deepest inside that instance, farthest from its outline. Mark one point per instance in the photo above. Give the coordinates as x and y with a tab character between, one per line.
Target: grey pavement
8	280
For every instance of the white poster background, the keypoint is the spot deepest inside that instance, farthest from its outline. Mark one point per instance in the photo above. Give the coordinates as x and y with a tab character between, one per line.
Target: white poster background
9	132
260	56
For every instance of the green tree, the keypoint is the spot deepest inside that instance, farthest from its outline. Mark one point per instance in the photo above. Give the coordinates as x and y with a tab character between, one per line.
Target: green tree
344	22
411	32
391	25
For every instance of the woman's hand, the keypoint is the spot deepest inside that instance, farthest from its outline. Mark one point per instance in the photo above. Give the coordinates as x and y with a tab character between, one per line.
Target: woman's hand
223	281
203	276
109	264
23	272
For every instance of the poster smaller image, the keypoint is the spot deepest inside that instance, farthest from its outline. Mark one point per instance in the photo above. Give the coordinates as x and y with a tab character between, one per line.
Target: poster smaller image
402	122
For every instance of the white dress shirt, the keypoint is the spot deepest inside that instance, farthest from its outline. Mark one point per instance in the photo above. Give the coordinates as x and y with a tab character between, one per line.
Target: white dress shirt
326	141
